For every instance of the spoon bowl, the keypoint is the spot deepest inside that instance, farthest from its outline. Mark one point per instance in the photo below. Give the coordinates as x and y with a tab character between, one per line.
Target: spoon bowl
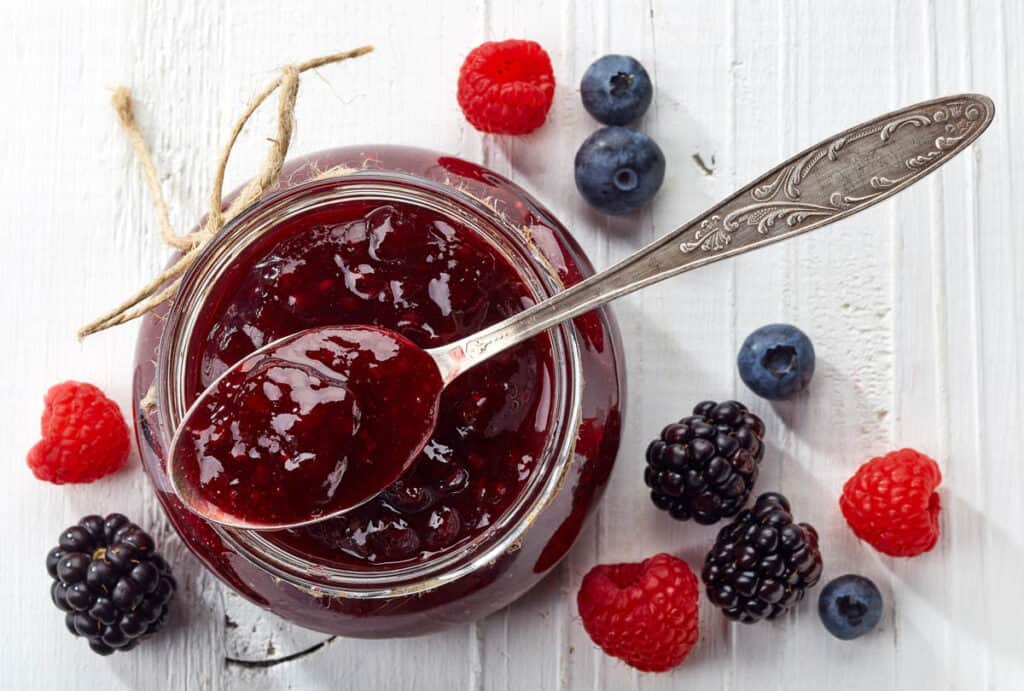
303	428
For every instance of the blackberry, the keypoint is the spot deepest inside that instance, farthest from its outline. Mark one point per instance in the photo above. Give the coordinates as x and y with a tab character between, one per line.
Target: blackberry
705	466
110	582
762	563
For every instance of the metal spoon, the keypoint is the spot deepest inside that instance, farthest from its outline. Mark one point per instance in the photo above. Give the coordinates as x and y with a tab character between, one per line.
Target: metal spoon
834	179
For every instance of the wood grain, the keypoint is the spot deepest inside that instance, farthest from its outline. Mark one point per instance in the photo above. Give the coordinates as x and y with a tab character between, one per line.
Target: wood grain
916	308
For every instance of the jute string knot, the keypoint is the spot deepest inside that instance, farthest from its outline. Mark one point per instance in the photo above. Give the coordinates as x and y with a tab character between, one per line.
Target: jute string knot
165	285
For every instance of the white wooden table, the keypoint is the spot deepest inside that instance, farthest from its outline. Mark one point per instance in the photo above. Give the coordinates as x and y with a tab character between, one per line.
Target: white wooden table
916	308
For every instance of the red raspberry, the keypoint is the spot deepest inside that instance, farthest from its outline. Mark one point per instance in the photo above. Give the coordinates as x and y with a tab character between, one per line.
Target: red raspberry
643	613
891	503
506	87
84	435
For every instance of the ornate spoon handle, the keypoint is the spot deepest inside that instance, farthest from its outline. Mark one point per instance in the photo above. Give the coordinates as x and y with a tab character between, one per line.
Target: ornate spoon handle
829	181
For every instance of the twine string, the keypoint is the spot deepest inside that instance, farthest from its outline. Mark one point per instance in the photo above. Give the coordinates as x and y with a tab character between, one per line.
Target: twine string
164	286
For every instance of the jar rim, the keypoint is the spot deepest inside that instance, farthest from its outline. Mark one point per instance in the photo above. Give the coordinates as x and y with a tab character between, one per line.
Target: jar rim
541	280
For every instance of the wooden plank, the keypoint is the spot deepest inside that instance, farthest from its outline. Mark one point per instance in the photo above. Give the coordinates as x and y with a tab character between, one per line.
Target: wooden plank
678	332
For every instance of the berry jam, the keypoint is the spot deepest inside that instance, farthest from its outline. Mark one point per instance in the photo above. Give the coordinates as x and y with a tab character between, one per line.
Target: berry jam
410	270
549	411
307	427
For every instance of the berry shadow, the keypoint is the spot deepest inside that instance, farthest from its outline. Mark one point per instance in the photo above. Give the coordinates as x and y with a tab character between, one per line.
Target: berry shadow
785	473
994	619
804	417
521	153
622	228
549	153
532	169
195	626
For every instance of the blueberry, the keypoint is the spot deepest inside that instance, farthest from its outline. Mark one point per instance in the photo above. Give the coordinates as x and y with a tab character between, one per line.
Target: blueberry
850	606
619	170
776	361
616	90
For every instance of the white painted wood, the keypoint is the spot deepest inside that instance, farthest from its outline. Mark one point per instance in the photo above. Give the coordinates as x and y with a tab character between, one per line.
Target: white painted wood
915	308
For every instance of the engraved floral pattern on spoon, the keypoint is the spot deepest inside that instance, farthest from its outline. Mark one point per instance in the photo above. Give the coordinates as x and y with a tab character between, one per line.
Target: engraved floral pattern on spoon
786	197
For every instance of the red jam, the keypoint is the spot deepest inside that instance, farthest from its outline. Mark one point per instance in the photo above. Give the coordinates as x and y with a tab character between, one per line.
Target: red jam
419	274
320	422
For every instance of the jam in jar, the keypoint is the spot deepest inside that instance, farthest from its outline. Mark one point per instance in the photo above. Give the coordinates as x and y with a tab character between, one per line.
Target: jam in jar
433	248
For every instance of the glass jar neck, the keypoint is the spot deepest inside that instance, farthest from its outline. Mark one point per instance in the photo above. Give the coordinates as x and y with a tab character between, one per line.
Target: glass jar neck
223	253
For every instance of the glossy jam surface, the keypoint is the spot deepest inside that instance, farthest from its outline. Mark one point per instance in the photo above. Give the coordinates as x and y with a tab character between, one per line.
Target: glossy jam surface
308	426
413	271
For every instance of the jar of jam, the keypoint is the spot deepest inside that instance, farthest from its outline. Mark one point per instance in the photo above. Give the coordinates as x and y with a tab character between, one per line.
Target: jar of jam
434	248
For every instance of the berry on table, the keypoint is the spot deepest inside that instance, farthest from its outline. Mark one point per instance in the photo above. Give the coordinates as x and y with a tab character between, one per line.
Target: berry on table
762	563
616	89
506	87
84	435
110	582
705	466
850	606
891	503
776	361
618	170
643	613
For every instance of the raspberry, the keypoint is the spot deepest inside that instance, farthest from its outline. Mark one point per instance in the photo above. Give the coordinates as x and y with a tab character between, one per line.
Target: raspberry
643	613
891	503
506	87
84	435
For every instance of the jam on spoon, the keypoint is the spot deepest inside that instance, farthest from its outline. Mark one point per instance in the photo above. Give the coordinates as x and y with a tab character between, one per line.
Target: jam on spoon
332	415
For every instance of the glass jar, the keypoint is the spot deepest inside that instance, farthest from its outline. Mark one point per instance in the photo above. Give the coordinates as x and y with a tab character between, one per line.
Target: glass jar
582	428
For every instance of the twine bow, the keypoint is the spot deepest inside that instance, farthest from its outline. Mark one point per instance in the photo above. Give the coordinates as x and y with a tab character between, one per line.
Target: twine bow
166	284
